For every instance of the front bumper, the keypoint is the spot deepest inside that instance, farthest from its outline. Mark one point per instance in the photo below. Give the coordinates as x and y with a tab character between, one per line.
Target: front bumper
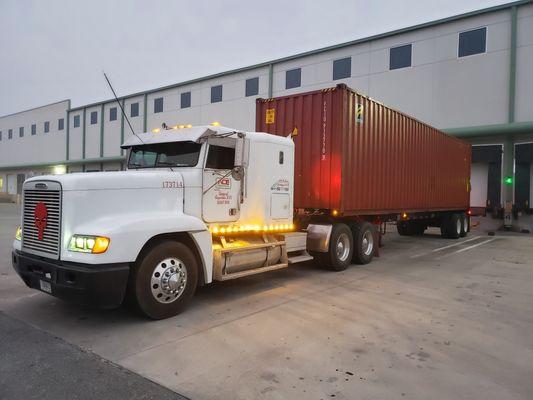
99	285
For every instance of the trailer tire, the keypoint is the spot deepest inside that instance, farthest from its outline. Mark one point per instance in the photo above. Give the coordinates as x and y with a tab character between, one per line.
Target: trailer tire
410	228
165	280
364	242
453	226
341	248
404	228
465	223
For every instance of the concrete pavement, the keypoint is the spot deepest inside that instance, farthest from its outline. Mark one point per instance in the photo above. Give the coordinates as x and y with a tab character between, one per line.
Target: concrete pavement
431	318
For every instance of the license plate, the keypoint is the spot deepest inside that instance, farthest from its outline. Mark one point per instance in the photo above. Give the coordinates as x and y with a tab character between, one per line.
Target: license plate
46	286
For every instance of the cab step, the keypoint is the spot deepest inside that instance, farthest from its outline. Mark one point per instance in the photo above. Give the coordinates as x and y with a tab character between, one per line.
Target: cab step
254	271
299	258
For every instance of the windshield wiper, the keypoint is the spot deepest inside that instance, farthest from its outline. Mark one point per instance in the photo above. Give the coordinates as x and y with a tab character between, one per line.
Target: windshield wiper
165	164
134	165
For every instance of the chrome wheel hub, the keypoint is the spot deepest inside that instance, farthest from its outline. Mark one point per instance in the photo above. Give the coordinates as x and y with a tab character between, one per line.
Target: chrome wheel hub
367	243
343	247
459	225
169	279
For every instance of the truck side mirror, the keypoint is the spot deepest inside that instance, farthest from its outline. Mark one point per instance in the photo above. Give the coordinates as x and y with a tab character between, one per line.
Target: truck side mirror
241	151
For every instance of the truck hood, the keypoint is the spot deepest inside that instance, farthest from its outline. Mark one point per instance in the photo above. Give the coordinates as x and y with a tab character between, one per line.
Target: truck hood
119	180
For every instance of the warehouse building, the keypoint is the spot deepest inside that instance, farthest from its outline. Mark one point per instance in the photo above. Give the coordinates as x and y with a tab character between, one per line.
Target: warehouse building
470	75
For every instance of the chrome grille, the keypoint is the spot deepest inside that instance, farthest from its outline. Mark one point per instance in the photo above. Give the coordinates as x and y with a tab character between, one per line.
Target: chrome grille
48	193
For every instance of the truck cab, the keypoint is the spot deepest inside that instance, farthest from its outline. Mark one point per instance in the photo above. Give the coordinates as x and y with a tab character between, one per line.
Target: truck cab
194	205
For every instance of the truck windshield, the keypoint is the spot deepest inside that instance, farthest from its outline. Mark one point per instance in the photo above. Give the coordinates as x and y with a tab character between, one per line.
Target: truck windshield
175	154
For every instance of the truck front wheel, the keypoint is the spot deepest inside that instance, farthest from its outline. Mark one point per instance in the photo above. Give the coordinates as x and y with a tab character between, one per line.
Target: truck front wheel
165	280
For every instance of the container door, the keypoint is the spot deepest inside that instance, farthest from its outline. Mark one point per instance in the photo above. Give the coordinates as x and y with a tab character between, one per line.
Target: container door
221	191
479	180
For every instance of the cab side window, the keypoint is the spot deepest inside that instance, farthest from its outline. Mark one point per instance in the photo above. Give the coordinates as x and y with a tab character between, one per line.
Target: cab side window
219	157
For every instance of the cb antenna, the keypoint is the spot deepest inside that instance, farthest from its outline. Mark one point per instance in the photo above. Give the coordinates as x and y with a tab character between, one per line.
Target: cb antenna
121	108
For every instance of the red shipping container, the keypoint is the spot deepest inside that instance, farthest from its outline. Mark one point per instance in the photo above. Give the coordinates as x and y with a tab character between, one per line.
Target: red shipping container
357	156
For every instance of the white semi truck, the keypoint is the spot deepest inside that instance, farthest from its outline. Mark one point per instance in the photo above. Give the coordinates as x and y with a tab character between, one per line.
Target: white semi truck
195	205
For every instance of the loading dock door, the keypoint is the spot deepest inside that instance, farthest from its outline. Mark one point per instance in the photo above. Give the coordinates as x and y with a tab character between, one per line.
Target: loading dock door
486	176
523	175
479	177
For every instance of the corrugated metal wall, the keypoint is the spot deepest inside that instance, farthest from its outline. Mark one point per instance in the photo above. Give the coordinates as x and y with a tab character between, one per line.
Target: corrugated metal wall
356	155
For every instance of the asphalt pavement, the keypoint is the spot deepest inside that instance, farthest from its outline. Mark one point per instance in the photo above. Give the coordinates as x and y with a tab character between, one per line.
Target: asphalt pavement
37	365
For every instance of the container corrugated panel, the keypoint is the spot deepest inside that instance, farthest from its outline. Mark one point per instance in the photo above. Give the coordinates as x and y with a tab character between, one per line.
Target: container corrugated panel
355	155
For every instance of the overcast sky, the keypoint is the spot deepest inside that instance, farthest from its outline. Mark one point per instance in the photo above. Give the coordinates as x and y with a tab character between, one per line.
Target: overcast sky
52	50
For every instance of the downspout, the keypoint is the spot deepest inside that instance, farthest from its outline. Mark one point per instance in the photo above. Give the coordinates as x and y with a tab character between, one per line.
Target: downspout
122	128
102	131
67	150
270	80
83	138
509	147
145	100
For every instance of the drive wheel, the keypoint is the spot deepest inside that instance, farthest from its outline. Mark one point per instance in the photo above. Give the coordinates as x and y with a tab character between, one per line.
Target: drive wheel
165	280
340	251
465	220
364	242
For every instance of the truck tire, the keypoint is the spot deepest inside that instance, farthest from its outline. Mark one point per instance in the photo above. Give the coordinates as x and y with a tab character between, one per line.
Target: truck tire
341	247
165	279
454	226
404	228
364	242
465	220
410	228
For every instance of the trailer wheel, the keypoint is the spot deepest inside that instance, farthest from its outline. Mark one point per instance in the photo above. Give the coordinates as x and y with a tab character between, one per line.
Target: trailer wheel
165	280
340	251
404	229
465	221
452	226
410	228
364	242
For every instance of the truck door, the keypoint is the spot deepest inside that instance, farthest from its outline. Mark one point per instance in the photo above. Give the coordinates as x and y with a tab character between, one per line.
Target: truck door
221	192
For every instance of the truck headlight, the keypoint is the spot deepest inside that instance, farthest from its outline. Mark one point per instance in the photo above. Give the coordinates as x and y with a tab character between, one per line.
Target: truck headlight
88	244
18	235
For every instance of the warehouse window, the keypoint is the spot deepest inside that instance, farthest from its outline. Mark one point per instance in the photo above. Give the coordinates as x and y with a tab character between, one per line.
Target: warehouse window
186	100
293	78
252	87
34	129
134	110
400	57
472	42
220	157
0	136
60	124
10	134
94	117
76	121
21	131
216	93
113	114
158	105
342	68
46	127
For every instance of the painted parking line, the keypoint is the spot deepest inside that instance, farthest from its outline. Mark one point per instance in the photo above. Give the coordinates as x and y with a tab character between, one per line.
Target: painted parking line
467	248
446	247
